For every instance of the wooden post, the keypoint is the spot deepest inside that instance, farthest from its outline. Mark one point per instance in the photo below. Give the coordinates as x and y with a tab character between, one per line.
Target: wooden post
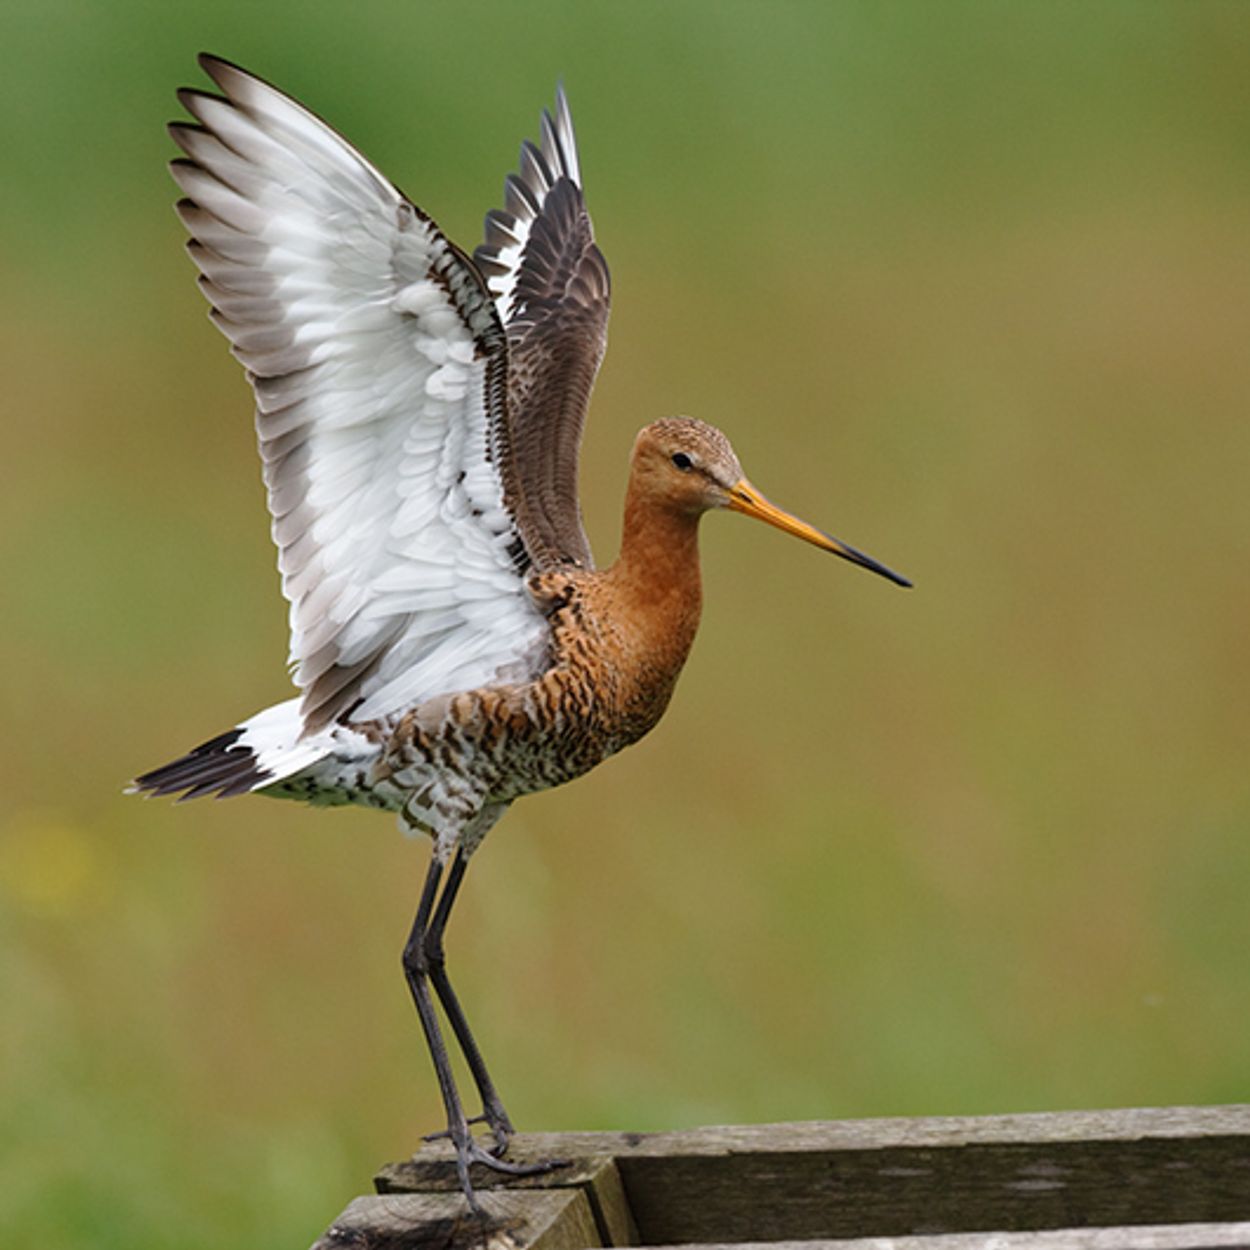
1151	1179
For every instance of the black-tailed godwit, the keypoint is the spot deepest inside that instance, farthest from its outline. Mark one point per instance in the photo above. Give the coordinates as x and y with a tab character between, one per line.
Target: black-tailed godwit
419	414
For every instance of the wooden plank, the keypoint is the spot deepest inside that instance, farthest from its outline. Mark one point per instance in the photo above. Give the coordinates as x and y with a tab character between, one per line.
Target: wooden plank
909	1190
1232	1119
1143	1237
534	1220
597	1176
874	1178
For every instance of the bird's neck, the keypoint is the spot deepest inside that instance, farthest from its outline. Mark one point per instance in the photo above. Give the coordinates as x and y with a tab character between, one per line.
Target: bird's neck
656	576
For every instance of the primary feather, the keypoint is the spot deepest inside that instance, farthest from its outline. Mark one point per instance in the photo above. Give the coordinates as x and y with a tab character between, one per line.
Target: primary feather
551	286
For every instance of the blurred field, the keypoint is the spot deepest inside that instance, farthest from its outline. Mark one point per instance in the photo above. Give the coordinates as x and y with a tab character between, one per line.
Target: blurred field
969	285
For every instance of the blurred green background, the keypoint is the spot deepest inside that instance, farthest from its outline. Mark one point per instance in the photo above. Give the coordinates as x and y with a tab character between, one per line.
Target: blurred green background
969	285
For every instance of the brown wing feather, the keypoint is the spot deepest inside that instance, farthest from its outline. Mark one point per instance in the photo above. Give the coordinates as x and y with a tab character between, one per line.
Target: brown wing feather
552	288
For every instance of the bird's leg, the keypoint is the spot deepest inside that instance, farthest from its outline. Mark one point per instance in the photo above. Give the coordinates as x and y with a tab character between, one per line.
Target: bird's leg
493	1112
417	972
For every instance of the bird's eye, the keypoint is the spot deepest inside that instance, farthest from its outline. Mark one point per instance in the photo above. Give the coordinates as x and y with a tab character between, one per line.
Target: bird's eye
683	461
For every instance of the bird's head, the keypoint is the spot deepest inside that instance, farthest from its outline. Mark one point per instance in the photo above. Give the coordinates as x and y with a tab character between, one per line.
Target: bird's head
690	466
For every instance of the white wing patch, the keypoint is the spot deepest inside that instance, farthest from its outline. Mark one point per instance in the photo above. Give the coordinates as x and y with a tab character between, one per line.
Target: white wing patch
378	364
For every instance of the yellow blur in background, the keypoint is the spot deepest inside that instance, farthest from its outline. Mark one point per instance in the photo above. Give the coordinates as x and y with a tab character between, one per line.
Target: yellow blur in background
968	285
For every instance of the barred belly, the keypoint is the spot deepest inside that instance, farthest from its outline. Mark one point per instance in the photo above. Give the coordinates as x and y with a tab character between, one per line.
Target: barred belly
459	756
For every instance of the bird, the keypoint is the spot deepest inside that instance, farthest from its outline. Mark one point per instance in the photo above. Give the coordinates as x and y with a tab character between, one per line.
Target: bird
419	414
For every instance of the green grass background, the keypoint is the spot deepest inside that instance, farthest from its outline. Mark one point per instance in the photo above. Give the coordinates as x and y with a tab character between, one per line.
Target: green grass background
969	285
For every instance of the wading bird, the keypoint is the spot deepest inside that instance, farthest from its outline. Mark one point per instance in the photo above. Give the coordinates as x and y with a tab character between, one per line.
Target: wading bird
419	415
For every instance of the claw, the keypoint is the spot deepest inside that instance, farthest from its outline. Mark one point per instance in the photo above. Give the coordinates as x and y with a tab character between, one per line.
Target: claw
500	1125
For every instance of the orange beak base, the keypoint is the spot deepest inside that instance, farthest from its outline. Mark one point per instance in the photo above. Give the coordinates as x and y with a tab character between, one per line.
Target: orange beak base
746	499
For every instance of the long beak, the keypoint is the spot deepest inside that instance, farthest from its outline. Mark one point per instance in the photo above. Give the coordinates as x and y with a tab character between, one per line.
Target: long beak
744	498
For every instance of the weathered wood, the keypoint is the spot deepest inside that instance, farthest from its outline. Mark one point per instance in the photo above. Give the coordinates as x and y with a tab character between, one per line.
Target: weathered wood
769	1185
1172	1178
1232	1119
597	1176
1143	1237
534	1220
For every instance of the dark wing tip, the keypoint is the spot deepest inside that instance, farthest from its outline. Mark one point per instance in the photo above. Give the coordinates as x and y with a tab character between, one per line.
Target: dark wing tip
179	132
212	65
219	766
233	80
187	97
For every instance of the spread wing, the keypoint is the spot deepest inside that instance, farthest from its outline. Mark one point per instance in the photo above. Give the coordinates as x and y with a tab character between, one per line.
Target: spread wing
380	369
550	284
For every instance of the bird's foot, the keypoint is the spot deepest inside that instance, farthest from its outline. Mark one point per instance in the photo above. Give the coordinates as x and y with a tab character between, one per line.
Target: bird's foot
475	1152
443	1134
501	1129
470	1151
493	1115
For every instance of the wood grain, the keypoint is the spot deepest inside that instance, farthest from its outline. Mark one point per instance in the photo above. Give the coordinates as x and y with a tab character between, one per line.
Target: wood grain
1173	1178
534	1220
1145	1237
595	1175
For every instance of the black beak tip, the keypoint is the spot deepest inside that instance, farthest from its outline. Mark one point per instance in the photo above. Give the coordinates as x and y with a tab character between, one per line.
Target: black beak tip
875	566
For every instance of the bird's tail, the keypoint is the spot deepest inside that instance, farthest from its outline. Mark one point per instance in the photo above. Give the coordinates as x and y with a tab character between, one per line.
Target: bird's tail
251	756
